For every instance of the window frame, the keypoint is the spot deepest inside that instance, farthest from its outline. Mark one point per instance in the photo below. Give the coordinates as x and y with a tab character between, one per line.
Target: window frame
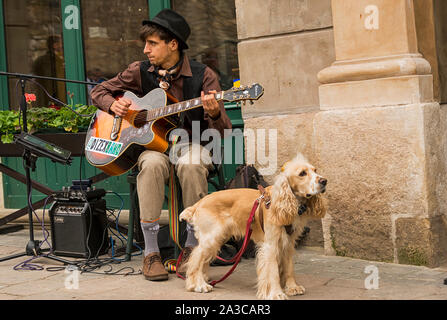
155	6
74	47
4	94
73	51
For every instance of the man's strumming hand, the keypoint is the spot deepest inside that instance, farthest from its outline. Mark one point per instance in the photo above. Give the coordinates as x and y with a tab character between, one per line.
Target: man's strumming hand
120	107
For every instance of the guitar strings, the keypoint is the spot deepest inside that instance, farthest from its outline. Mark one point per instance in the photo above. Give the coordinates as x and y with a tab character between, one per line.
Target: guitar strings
161	111
148	115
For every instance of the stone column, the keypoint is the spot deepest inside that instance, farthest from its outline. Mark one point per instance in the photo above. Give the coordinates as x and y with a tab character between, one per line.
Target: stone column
377	59
380	138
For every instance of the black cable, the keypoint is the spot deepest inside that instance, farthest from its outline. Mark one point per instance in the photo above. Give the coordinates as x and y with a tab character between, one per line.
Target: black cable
111	229
59	101
91	264
19	96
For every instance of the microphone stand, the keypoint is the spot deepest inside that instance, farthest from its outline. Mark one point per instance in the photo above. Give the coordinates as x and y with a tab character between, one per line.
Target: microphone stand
31	76
29	163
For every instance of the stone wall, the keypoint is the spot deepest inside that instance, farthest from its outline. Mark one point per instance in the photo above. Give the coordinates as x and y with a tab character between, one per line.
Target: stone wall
283	45
362	103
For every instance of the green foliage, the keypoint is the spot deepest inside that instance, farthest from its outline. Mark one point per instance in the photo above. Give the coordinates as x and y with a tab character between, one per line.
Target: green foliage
44	118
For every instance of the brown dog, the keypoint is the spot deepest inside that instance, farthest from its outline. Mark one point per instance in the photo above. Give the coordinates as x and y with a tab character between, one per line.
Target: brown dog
224	214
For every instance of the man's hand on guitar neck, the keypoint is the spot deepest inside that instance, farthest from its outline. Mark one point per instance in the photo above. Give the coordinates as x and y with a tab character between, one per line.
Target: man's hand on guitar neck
210	104
120	107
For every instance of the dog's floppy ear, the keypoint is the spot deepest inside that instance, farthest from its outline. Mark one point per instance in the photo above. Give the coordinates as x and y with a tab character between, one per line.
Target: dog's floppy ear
284	203
317	206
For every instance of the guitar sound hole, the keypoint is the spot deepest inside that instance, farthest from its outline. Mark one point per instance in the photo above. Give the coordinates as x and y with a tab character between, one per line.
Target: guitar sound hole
140	119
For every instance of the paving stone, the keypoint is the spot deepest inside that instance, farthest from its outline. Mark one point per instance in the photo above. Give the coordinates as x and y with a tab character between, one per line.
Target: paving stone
347	283
7	297
324	277
332	293
400	292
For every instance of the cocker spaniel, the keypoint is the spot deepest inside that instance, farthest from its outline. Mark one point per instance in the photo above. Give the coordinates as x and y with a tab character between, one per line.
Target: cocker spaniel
295	198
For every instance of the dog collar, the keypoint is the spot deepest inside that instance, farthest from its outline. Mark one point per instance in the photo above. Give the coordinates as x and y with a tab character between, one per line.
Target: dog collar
289	228
302	209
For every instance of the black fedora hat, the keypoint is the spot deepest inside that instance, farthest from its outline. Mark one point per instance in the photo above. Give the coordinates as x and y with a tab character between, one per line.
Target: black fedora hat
174	23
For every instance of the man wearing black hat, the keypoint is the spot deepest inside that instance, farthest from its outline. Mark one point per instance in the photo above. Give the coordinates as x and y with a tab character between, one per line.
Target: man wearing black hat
167	67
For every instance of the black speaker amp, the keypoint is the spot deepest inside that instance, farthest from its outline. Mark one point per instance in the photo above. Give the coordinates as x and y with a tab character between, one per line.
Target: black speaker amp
79	228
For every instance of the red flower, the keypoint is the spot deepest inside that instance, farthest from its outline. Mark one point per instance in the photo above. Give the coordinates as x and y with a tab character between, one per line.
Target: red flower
30	97
53	106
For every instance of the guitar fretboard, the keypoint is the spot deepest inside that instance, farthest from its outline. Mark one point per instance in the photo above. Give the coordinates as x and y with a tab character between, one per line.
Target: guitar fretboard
178	107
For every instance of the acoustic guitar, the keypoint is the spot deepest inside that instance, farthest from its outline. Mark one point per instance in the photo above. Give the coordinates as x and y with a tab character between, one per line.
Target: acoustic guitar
113	144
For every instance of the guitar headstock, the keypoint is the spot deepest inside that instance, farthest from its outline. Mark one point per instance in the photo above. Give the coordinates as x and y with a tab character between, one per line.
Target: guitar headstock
253	92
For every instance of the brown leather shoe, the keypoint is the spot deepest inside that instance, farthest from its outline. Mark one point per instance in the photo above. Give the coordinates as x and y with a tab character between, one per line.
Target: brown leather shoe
181	268
153	268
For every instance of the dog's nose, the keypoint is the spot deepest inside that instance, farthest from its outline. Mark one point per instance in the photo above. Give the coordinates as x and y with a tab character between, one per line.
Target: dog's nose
323	181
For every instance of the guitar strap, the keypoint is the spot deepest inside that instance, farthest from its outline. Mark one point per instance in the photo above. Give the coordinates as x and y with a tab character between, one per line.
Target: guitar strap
173	202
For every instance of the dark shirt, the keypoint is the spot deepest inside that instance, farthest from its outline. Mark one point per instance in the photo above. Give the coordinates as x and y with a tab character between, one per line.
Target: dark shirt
130	80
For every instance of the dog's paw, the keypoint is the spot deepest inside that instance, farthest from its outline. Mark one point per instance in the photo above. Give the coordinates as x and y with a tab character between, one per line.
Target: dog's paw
279	296
295	290
204	287
199	286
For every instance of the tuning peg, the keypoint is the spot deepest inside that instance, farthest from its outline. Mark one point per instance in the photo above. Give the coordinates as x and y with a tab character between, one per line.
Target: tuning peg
251	102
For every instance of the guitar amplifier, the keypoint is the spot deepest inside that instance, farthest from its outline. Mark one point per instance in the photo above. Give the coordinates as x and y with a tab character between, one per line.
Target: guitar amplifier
79	228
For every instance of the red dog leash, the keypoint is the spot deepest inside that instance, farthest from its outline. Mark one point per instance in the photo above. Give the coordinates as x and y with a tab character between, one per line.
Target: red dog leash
264	196
238	256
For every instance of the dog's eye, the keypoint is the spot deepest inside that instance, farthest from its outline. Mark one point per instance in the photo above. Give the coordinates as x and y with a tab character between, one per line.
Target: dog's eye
303	173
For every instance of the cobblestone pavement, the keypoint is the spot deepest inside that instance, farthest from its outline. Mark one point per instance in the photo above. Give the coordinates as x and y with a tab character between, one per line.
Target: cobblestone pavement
324	277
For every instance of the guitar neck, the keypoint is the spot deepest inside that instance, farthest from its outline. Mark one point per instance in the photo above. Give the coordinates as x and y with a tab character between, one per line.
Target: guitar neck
178	107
